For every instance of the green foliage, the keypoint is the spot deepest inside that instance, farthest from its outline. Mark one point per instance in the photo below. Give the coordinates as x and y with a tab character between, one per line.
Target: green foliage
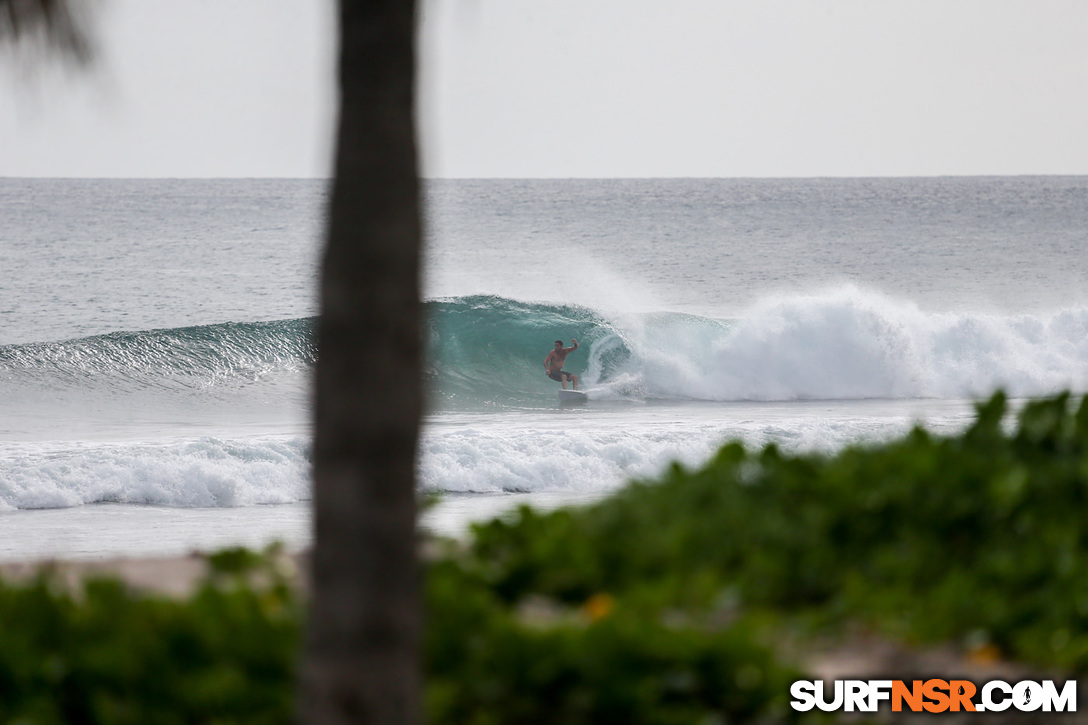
107	655
489	663
978	537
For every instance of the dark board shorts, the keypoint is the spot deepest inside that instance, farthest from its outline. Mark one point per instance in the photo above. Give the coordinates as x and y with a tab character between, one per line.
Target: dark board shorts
558	375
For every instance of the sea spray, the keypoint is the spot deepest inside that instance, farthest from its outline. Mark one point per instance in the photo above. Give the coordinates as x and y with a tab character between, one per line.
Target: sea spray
849	344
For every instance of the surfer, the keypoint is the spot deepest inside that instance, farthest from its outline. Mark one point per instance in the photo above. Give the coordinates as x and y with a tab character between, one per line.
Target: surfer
553	364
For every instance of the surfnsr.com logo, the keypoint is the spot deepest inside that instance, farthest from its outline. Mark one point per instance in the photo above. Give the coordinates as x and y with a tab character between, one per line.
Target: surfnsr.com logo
934	696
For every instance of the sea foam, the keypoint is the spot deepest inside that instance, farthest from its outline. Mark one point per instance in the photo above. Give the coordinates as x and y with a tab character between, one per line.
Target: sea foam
849	344
207	472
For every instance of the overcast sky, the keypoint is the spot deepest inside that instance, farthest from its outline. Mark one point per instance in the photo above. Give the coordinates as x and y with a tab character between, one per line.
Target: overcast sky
579	88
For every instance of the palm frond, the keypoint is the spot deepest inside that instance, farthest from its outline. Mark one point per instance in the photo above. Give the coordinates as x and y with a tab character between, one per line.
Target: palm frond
60	25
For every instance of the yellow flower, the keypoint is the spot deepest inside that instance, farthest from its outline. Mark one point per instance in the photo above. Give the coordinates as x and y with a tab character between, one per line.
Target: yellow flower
598	606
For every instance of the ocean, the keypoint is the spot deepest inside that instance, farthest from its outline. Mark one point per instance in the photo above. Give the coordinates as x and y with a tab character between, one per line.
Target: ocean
155	337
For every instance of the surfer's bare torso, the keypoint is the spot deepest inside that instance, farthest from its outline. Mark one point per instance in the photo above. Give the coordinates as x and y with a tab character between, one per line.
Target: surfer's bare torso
556	358
553	364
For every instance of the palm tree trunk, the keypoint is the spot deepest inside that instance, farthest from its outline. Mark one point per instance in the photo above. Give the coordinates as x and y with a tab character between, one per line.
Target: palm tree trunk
361	660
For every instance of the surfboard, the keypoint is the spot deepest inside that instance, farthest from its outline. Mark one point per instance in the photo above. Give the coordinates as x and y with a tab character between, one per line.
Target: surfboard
572	396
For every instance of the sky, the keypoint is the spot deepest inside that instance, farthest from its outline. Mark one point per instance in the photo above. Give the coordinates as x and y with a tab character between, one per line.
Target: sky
575	88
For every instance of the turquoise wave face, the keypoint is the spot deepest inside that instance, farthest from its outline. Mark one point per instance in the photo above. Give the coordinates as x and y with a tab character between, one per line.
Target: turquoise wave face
483	352
489	351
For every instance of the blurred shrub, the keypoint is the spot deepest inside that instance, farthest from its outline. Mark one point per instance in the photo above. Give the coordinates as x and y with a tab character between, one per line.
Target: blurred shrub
600	663
106	655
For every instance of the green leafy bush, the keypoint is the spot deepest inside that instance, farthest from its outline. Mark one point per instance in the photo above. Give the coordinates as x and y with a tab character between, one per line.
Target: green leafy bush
106	655
489	663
